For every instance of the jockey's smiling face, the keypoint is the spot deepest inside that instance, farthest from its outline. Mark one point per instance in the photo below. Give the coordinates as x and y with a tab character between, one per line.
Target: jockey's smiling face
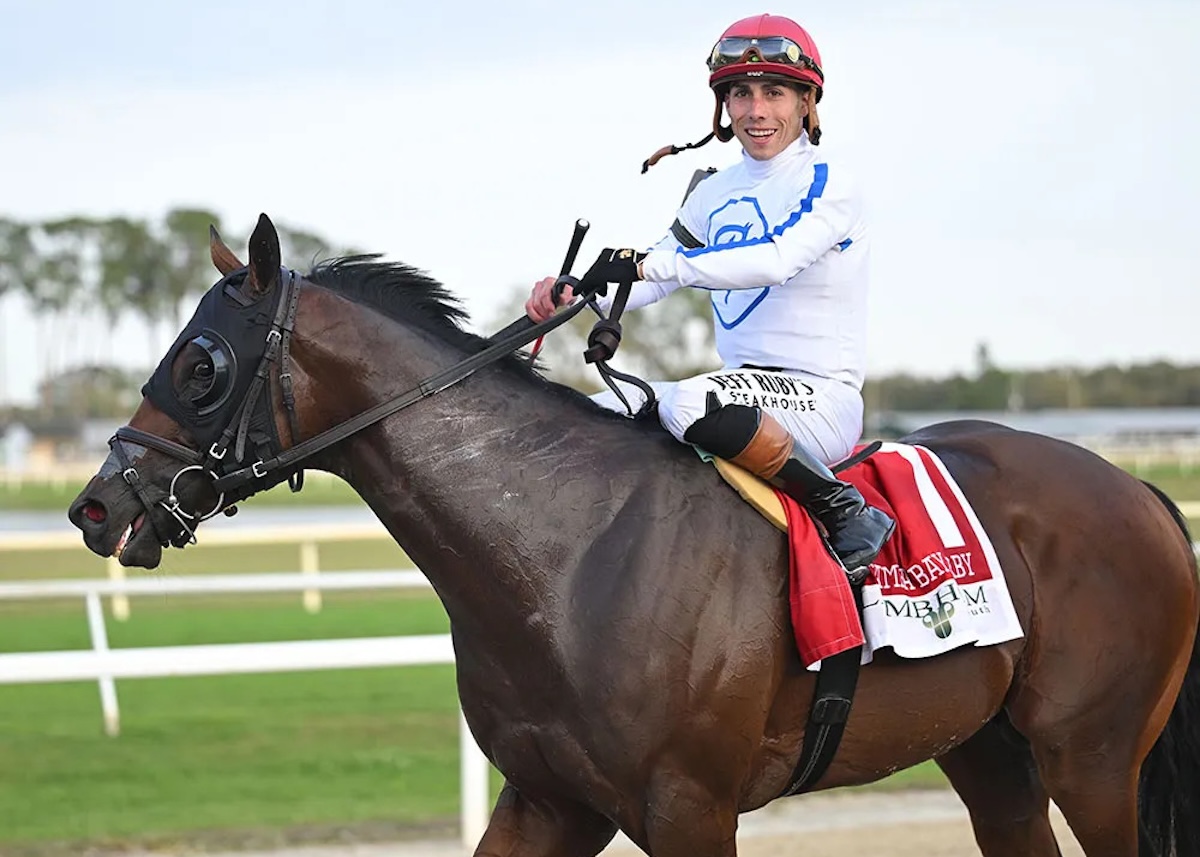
767	116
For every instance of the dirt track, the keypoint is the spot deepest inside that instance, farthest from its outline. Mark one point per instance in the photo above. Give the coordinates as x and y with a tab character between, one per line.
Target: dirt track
897	824
920	824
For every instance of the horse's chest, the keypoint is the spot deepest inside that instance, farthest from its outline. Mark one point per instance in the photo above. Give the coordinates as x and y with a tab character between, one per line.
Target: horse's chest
545	757
536	741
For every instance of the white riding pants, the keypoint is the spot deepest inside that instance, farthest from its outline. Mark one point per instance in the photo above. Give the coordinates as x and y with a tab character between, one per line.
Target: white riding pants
824	416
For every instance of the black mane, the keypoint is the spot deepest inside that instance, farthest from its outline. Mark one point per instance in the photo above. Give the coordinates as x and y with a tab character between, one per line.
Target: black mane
410	296
401	292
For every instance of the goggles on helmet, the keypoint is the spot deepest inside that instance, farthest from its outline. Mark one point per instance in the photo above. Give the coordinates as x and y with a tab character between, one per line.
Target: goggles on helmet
773	49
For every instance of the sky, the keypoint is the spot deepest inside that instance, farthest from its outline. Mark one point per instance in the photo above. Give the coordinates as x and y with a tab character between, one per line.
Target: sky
1030	166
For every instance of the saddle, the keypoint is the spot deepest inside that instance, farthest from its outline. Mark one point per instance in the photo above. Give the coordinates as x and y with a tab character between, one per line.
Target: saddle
762	496
754	491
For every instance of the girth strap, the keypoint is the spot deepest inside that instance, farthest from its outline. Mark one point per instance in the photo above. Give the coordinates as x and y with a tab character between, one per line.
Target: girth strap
833	695
832	699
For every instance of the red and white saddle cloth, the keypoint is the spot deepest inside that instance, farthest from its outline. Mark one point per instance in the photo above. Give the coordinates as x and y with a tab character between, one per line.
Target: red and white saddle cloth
937	585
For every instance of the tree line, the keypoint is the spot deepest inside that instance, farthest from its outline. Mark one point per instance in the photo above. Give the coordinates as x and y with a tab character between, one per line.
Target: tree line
1153	384
153	269
157	269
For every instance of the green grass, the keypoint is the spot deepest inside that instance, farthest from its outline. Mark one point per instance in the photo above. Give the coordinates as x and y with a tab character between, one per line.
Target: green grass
1181	485
194	620
204	559
228	752
319	490
225	758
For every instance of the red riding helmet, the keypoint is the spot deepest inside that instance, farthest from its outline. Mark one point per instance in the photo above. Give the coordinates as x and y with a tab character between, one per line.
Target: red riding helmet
769	46
766	46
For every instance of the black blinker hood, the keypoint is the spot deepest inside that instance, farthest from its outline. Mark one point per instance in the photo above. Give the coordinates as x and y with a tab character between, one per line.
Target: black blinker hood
229	320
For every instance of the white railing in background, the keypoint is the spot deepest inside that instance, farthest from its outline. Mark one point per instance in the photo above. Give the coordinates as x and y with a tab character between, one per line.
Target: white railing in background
105	665
306	538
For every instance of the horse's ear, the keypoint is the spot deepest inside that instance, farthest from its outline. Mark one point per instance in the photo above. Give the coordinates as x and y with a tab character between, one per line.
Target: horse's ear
224	259
264	258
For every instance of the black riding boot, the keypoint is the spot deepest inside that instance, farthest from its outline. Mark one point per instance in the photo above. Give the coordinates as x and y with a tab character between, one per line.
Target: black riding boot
755	440
856	531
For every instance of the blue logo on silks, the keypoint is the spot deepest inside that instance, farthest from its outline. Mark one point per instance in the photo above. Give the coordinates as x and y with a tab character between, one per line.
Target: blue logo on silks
741	222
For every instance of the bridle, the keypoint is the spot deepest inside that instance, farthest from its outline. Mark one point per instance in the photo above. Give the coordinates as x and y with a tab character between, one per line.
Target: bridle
236	434
236	472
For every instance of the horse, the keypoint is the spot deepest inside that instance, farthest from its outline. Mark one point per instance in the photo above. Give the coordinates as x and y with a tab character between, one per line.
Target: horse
624	651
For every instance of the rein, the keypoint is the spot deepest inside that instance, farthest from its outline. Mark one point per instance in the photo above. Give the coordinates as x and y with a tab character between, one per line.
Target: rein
231	477
504	343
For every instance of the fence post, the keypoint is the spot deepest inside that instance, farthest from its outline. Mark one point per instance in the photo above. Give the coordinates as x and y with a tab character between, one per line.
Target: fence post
474	769
120	603
108	688
310	563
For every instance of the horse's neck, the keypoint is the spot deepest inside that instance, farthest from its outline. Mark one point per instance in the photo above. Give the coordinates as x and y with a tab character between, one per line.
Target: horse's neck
491	496
493	487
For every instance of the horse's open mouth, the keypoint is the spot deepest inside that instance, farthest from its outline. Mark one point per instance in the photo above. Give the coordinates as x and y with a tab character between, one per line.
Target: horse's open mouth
139	544
130	532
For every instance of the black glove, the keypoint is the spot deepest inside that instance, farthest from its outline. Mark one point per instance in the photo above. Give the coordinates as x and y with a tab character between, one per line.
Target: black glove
613	266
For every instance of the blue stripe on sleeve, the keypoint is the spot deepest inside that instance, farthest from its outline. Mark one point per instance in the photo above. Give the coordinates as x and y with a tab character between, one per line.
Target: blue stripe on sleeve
820	176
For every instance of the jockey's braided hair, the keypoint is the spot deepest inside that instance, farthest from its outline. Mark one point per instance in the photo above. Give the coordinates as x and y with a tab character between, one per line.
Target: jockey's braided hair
724	133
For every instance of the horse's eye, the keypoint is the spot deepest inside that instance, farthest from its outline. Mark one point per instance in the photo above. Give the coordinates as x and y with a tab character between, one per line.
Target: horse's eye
199	385
210	380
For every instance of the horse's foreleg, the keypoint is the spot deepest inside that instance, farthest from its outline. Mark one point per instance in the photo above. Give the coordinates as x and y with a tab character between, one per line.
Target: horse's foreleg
525	827
684	821
994	773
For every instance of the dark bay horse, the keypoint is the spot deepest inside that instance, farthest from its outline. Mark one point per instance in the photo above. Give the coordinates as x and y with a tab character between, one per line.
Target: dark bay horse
620	616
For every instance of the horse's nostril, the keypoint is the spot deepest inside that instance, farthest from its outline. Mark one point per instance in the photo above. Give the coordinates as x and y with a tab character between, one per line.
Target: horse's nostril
94	512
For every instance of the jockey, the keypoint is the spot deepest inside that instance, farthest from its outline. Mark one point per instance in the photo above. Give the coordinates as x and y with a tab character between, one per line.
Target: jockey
781	242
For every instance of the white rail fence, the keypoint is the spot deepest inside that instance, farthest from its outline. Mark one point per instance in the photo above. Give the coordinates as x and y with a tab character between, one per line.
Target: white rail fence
105	665
307	539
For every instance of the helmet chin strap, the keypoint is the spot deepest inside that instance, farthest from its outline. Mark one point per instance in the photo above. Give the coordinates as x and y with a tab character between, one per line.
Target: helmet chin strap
724	133
812	122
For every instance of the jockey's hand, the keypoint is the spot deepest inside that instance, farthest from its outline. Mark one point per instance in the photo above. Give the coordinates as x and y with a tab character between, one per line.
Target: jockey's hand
540	305
613	266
